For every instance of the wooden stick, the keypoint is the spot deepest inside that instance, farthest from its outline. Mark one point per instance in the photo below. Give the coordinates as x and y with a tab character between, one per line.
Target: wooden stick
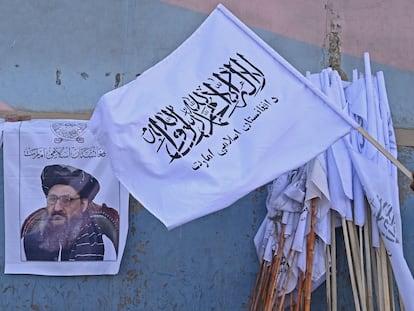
300	291
27	115
402	306
391	284
262	293
328	276
281	279
361	268
356	261
22	115
384	272
292	301
375	275
275	270
390	157
350	265
257	287
370	293
310	244
282	298
380	291
333	263
375	266
290	271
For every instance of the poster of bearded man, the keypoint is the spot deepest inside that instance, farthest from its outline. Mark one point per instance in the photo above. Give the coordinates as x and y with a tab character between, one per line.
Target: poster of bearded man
66	213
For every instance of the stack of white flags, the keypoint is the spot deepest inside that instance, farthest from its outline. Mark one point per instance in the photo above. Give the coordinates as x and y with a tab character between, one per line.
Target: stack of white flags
224	114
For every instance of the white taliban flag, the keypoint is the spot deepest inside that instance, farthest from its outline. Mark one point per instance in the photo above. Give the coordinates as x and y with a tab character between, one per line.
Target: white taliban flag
374	179
220	116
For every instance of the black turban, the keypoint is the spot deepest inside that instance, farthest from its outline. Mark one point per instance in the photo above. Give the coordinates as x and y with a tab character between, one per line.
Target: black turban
85	184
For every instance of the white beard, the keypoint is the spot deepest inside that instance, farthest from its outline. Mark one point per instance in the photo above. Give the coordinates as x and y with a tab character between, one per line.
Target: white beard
57	236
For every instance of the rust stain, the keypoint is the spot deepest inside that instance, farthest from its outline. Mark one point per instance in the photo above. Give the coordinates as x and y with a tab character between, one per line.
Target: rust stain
127	301
140	246
134	205
124	301
135	258
132	275
137	296
257	193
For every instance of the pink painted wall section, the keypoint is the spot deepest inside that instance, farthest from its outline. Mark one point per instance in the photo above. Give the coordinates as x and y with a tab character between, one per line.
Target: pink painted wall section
385	29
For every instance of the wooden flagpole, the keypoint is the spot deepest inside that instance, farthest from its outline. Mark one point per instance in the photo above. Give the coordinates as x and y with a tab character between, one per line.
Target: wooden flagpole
380	292
282	299
275	269
263	287
309	257
356	261
391	284
328	274
301	282
368	262
390	157
21	115
385	279
284	280
289	274
292	301
333	263
350	265
376	278
361	266
257	287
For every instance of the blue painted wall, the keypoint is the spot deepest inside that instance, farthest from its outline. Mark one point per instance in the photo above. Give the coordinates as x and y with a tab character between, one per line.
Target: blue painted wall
62	56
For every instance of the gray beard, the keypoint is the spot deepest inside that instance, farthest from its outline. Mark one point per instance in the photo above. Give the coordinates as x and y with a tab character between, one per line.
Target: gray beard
63	236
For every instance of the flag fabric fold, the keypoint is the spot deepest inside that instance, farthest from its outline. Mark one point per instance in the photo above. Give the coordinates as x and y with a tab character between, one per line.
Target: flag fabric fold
220	116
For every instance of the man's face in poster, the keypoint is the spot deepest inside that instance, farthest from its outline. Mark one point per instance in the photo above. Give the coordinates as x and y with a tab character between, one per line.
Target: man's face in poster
65	217
64	204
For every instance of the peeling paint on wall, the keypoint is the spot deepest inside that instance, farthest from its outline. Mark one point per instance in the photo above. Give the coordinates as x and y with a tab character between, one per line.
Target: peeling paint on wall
334	24
117	80
84	75
58	80
382	28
